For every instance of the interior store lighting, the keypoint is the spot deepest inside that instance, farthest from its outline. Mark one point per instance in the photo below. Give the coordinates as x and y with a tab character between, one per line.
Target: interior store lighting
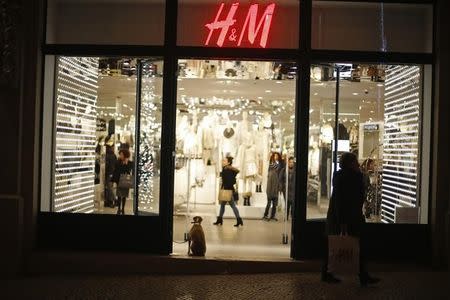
76	97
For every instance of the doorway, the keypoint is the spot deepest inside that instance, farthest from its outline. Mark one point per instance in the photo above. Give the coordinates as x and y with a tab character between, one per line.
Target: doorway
243	113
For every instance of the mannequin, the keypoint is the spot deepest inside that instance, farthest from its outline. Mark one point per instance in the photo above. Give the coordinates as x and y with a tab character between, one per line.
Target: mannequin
243	128
248	163
228	137
313	160
182	131
207	140
262	142
327	133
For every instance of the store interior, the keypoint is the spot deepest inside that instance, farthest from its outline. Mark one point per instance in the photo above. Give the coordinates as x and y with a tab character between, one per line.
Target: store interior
239	109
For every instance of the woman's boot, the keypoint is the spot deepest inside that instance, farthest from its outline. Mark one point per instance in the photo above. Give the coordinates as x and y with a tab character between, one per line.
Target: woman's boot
219	221
239	222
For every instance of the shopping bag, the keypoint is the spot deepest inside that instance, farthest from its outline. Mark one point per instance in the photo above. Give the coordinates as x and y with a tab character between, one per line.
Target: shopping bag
225	195
125	181
343	254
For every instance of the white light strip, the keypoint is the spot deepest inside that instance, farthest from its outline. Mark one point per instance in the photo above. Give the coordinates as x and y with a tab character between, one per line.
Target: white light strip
77	113
391	106
74	173
61	92
391	188
400	150
59	199
75	69
76	134
399	178
77	205
399	144
83	180
71	128
74	184
68	102
413	120
78	67
92	87
402	76
74	156
91	124
398	183
400	97
388	139
70	146
394	116
73	162
64	84
72	190
398	167
401	132
410	155
390	89
400	161
389	198
74	168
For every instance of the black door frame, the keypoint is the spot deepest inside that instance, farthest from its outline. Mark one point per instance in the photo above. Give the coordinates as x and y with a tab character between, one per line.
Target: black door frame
305	234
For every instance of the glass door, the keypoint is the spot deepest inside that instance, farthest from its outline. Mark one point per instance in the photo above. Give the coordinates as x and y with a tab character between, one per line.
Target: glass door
240	116
148	135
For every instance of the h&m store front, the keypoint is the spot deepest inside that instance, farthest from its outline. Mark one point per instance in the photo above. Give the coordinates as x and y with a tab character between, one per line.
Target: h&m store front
176	87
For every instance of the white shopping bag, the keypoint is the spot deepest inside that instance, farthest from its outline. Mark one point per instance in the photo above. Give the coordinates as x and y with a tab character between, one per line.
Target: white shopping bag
343	254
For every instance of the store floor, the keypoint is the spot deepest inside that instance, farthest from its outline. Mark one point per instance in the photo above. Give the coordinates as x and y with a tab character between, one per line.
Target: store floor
257	239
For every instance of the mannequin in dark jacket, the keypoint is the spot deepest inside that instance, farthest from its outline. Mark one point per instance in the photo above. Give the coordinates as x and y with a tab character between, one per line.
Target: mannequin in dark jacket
345	213
290	184
110	163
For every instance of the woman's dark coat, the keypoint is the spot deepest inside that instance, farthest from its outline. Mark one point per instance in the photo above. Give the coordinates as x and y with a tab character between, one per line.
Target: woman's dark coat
346	202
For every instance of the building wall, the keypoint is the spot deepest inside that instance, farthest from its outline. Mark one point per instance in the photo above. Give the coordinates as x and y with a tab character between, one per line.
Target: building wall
440	196
20	90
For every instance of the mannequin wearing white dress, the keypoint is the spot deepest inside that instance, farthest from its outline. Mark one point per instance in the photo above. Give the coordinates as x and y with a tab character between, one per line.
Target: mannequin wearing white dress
248	164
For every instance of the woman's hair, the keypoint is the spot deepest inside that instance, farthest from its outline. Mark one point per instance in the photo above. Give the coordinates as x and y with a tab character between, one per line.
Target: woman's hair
348	160
126	153
272	157
229	159
365	165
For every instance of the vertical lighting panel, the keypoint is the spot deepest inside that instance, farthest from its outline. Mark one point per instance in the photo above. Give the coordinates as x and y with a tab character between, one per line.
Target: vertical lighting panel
401	140
74	157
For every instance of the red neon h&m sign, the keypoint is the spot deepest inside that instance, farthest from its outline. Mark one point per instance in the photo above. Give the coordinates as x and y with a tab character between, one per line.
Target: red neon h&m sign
250	29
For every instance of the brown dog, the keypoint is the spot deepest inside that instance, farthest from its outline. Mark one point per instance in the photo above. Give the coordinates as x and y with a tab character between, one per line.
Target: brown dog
197	242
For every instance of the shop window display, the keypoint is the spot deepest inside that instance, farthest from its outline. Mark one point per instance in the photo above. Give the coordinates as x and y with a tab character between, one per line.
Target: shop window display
239	109
379	117
94	141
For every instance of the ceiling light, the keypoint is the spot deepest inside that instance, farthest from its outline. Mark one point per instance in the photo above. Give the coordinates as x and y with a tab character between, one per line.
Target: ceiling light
311	110
380	84
181	89
371	111
315	94
268	91
260	97
279	82
355	94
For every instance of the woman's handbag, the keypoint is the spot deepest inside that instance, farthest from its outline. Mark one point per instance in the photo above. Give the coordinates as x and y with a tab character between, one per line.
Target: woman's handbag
225	195
125	181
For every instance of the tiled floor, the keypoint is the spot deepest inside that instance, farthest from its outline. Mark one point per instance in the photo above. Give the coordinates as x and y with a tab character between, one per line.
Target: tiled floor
411	285
256	239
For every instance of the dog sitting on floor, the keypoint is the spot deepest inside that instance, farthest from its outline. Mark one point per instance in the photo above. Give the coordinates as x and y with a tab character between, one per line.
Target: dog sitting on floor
197	242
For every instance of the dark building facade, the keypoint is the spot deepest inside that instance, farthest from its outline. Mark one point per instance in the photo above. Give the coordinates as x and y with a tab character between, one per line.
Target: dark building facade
330	76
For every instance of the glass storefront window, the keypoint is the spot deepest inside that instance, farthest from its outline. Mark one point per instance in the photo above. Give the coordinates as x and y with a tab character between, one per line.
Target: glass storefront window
110	22
238	24
380	119
244	110
362	26
93	131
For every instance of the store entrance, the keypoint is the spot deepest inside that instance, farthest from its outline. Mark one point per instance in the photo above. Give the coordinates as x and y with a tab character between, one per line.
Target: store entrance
235	132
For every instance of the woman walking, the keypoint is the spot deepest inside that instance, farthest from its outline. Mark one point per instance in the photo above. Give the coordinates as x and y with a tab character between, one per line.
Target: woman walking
123	168
273	186
228	176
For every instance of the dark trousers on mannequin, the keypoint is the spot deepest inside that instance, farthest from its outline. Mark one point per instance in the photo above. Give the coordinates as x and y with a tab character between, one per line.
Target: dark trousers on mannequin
274	202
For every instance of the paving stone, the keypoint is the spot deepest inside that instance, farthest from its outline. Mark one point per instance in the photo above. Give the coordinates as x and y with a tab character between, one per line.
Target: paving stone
402	285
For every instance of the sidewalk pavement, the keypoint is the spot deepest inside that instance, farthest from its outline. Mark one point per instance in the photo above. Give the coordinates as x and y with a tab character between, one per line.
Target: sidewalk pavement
395	285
